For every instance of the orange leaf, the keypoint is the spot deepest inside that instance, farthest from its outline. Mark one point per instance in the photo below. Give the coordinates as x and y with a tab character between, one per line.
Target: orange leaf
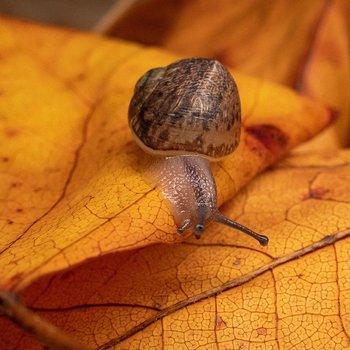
72	175
266	39
222	291
326	74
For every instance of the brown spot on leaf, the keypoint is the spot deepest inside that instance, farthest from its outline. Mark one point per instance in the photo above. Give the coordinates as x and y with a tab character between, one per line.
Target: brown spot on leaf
16	184
316	193
261	331
237	261
269	135
219	322
11	132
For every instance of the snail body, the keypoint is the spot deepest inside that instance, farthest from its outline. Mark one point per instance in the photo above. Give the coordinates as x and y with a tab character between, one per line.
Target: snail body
188	114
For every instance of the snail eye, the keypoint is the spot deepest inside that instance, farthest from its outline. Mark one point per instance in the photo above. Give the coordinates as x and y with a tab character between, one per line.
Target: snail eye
198	230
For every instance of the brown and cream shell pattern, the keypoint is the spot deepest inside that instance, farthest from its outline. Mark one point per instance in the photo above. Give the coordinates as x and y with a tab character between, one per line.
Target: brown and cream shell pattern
191	106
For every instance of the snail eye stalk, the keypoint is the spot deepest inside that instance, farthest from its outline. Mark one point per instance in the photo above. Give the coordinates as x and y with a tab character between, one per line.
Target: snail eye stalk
184	227
263	240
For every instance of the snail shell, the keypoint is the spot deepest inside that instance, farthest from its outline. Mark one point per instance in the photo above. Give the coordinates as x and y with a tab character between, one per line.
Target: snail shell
191	106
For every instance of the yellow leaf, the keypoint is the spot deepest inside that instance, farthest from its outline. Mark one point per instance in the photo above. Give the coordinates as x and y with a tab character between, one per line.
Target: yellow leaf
73	184
222	291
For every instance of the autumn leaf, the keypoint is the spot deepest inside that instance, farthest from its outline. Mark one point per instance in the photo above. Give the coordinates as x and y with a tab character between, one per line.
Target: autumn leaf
86	238
222	291
73	177
236	35
326	75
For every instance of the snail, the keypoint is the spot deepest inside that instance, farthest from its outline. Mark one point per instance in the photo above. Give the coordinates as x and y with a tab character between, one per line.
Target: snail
185	115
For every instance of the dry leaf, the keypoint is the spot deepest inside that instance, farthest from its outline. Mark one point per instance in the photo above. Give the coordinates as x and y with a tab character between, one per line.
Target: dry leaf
222	291
236	35
73	177
326	75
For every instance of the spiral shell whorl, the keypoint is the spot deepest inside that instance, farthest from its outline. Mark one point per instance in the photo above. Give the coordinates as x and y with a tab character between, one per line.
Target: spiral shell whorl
188	107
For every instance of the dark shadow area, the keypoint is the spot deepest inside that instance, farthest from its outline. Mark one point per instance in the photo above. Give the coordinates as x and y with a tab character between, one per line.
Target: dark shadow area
81	14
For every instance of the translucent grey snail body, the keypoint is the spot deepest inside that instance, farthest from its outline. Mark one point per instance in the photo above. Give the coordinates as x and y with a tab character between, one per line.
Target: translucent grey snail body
188	114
